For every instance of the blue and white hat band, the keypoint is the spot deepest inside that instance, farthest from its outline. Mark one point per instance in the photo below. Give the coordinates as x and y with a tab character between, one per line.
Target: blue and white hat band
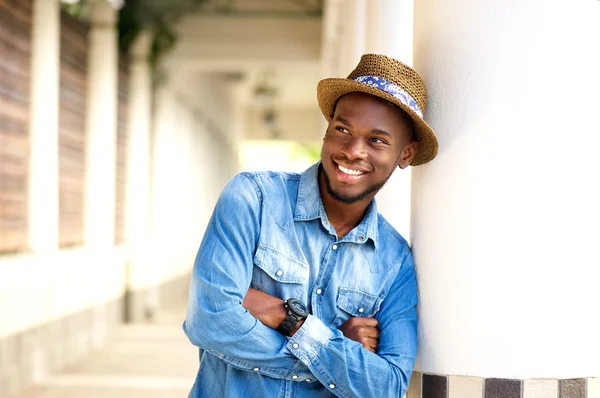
393	90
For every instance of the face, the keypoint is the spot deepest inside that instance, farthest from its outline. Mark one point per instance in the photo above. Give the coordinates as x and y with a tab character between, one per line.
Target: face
365	140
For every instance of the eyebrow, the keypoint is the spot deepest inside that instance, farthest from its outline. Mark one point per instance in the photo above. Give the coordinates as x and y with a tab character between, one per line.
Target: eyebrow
343	121
374	131
381	132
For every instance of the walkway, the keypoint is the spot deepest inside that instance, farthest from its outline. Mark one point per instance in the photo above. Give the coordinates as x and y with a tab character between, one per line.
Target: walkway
144	361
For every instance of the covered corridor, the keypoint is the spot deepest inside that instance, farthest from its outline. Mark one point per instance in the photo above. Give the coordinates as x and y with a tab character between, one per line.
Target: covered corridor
112	157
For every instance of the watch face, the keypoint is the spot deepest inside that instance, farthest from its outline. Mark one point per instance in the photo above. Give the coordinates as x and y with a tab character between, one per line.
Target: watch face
298	307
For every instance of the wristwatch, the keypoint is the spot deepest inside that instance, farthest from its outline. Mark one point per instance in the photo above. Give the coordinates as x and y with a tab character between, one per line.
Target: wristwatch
296	312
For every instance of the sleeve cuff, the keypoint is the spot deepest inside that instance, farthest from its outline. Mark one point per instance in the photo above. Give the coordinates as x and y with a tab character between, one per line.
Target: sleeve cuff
309	339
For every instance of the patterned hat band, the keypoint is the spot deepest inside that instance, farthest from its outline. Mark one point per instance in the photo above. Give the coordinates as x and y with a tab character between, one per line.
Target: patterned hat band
393	90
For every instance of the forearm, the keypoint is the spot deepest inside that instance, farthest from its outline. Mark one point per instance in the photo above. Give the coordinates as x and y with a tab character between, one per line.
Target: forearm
347	369
333	358
239	339
269	310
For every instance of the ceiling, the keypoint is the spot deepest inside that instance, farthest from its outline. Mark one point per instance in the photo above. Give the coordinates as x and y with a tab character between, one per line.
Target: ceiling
282	8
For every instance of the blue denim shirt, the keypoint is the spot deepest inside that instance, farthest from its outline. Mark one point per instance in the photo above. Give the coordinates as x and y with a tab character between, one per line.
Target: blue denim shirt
270	231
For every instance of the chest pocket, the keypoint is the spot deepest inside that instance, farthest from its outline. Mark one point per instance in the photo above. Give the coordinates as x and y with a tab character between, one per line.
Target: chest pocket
352	303
277	274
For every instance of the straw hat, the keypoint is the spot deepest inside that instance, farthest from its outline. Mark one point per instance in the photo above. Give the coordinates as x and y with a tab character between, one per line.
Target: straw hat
391	80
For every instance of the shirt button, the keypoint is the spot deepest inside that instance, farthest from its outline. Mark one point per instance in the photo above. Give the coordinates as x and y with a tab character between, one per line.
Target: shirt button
279	273
294	377
361	237
295	345
319	291
332	386
256	369
361	310
308	380
334	247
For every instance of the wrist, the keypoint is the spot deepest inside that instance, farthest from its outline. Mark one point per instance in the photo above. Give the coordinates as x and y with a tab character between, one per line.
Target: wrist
296	313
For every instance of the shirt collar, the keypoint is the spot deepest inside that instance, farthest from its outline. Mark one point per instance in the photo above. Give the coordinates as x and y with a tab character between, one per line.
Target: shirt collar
309	206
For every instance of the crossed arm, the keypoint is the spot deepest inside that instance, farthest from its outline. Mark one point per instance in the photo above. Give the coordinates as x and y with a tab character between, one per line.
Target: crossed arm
270	312
223	318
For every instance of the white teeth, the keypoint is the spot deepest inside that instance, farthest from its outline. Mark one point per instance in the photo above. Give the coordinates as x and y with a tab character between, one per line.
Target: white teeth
351	172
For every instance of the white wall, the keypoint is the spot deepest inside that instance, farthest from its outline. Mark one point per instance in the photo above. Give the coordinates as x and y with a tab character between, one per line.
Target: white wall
192	162
35	289
506	218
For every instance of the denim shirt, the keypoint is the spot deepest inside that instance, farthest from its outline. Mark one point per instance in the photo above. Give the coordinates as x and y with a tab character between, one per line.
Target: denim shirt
270	231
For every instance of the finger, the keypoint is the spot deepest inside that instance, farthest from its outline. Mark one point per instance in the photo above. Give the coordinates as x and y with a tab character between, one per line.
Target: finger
370	345
370	322
369	332
371	342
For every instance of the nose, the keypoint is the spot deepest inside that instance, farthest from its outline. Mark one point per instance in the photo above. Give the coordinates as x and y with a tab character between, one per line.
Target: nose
355	148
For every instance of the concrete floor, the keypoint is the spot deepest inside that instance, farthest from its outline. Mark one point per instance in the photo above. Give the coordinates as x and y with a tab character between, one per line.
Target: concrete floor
144	361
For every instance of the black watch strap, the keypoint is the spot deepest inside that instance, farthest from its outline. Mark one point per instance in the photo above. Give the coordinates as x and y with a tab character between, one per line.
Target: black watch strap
290	321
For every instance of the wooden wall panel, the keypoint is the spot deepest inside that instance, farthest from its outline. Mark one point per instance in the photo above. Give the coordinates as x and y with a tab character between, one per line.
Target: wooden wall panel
73	92
15	58
121	148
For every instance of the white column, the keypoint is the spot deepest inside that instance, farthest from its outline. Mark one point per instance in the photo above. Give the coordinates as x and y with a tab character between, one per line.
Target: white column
137	225
390	26
43	132
163	171
101	126
390	32
351	23
506	218
330	39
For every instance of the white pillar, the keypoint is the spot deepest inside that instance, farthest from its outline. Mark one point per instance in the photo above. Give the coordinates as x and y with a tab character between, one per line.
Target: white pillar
390	26
506	218
43	132
137	212
390	32
101	126
351	23
163	171
330	39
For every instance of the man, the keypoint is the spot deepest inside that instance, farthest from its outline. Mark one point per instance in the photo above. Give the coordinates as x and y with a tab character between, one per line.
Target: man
300	288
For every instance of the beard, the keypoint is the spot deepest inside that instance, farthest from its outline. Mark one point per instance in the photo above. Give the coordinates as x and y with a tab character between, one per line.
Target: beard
350	199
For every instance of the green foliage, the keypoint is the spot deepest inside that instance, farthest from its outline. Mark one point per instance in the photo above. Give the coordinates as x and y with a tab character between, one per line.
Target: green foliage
156	16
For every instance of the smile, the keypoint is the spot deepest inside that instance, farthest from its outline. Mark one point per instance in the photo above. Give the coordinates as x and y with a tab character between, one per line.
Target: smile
350	171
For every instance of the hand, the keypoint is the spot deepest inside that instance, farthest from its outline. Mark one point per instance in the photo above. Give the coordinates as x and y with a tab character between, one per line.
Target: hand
267	309
363	331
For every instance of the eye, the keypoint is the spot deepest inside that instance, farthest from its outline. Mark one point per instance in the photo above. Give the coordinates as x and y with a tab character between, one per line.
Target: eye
342	129
377	140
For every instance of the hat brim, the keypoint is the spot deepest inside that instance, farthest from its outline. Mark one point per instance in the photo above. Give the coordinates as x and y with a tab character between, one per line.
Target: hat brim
330	90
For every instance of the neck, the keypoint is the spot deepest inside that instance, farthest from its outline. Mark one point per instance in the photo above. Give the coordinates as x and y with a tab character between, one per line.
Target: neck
343	217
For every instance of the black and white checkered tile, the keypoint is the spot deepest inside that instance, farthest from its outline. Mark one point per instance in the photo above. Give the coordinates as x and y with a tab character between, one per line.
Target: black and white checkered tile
441	386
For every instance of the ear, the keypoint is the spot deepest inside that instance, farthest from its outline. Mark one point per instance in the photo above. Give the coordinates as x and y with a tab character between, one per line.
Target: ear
408	154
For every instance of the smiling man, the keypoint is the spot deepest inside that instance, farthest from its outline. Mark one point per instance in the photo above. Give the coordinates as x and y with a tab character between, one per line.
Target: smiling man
300	287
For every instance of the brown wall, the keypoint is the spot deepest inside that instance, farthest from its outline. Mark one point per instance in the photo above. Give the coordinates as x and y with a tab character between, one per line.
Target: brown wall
15	48
71	140
15	59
